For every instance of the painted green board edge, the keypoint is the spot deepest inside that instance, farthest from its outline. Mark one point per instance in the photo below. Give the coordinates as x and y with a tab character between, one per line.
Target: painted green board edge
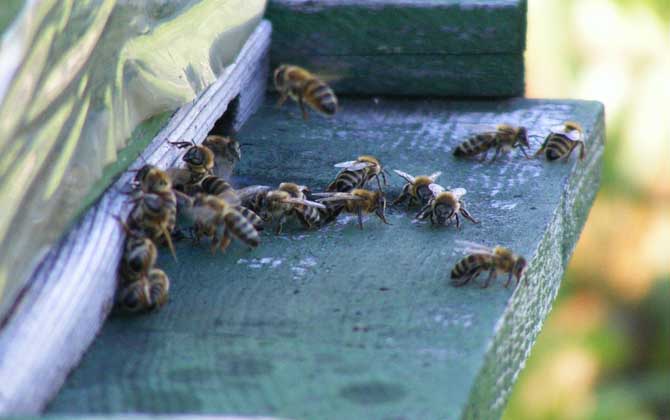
343	323
466	48
486	75
392	27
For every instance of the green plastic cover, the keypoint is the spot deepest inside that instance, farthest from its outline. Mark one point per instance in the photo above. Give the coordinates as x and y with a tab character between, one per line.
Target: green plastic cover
76	78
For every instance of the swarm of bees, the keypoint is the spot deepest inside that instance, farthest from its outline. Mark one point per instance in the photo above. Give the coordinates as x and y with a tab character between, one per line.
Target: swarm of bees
201	196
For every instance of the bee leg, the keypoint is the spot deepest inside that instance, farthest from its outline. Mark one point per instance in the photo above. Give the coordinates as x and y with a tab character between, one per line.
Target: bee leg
484	155
402	197
509	280
360	218
168	240
582	150
379	184
458	222
467	215
523	150
498	149
225	240
423	212
282	99
491	276
302	108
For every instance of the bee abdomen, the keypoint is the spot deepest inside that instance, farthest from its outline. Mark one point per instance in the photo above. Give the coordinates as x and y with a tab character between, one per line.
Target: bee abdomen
159	286
242	229
250	215
215	186
473	146
557	147
310	215
321	97
346	181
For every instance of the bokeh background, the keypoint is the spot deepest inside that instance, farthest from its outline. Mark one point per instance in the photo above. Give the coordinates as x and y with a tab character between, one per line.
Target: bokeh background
604	351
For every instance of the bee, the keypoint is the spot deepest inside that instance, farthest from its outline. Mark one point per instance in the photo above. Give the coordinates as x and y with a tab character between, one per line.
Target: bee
504	139
416	188
308	215
145	294
304	87
358	202
155	216
276	206
139	256
216	218
357	173
227	153
562	141
199	160
480	258
445	206
151	179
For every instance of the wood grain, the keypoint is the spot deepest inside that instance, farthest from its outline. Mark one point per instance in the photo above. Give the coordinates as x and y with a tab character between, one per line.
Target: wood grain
344	323
70	294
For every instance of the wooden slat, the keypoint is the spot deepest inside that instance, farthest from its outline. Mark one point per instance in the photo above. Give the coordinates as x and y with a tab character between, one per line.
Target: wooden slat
399	47
71	292
340	323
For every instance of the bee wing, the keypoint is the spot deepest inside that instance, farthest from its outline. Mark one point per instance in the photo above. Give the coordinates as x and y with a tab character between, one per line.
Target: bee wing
203	213
247	193
473	247
353	165
328	197
435	188
304	202
405	175
458	192
433	177
574	135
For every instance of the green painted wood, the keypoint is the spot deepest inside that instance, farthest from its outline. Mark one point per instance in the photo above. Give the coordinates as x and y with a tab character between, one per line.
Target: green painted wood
344	323
76	78
382	46
489	75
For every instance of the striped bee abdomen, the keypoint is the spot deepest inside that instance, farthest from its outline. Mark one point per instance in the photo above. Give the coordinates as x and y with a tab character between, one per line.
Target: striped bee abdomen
320	96
250	216
474	145
216	186
558	147
242	228
346	181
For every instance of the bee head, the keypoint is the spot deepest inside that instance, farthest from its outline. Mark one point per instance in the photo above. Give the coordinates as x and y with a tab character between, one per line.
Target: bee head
142	173
424	193
519	267
196	156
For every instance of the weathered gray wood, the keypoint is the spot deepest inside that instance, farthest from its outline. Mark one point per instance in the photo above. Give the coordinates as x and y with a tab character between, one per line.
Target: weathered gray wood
71	292
351	324
438	47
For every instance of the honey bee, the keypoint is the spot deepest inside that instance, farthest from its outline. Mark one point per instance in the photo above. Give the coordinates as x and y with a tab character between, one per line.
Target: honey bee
151	179
357	173
214	217
358	202
504	139
562	141
159	287
480	258
445	206
304	87
145	294
227	153
155	215
276	206
416	188
199	160
139	256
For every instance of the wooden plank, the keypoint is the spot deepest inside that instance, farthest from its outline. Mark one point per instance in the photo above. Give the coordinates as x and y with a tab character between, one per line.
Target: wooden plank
399	47
344	323
488	75
71	292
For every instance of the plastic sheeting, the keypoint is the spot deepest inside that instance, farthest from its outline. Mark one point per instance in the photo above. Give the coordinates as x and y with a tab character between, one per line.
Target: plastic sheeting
76	77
